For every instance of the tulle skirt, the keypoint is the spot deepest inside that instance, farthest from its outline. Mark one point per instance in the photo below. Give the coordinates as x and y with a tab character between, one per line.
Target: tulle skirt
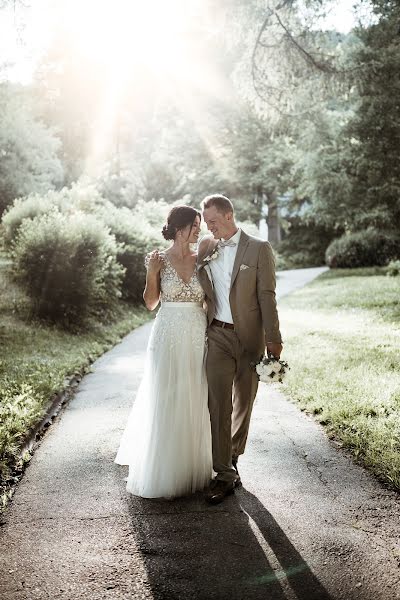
167	439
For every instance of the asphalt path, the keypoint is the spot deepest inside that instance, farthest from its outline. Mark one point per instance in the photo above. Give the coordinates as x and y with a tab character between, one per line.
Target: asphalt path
307	524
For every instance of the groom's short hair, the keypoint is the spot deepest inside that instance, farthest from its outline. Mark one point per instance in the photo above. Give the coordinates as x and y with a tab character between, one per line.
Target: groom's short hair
221	203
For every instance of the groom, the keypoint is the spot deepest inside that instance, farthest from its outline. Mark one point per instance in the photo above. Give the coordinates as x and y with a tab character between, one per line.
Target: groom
237	273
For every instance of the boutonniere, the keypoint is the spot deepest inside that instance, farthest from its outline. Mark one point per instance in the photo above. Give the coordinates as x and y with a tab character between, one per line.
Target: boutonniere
214	254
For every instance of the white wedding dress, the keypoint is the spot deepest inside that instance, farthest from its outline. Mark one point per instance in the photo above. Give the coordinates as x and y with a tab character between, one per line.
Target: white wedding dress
167	439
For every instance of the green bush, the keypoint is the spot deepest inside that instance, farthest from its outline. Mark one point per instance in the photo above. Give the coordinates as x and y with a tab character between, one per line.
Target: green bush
24	208
304	244
79	197
393	268
135	237
68	266
363	249
136	231
280	262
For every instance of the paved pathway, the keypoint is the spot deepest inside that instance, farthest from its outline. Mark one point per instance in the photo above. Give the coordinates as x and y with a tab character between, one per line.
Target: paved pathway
293	279
308	524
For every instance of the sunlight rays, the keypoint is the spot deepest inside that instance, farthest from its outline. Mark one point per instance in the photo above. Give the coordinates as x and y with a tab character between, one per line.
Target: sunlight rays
156	49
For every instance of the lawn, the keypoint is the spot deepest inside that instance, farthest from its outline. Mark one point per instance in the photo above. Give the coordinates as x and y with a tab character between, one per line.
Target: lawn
342	341
36	361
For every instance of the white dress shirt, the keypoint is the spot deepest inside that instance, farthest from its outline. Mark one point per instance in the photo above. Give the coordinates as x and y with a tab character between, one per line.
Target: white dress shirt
221	270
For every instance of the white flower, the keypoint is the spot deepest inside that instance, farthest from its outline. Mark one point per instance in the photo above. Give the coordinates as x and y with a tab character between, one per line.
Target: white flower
275	377
211	256
264	370
276	366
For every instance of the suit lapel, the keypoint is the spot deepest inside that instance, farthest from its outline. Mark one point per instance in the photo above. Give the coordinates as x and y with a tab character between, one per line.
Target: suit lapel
203	261
243	243
205	282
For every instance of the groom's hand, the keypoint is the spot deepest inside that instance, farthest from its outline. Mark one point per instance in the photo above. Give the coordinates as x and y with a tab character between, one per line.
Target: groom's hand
274	348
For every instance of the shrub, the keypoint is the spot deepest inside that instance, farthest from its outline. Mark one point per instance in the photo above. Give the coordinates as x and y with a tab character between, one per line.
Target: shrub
304	244
79	197
67	265
24	208
363	249
135	237
280	262
136	232
393	268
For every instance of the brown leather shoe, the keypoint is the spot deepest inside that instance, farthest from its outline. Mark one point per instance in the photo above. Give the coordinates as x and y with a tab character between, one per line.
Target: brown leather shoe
219	491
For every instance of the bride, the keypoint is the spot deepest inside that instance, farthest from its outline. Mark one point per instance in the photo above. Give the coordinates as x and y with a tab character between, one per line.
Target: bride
167	439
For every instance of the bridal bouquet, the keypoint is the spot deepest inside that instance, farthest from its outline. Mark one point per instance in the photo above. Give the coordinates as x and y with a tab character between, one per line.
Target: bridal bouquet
270	370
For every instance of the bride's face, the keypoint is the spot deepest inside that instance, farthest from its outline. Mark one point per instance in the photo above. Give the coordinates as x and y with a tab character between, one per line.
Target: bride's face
191	232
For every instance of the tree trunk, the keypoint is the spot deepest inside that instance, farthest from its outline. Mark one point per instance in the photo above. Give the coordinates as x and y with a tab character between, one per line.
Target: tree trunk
274	228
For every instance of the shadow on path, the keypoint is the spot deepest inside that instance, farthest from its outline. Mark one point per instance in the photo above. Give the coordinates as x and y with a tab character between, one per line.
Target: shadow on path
195	551
293	566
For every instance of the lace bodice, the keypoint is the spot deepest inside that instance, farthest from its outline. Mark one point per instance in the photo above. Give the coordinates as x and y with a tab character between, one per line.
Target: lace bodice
174	289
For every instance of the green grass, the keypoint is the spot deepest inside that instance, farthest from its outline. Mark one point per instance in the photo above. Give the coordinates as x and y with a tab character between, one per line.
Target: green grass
342	335
36	361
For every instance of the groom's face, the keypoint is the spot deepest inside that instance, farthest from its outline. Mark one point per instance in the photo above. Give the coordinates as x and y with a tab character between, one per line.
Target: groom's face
218	223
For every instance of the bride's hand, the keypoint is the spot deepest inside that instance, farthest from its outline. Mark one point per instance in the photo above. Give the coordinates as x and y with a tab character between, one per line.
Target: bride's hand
155	262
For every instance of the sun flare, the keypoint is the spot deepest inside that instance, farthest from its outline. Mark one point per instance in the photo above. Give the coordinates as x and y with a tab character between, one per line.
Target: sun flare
125	35
139	52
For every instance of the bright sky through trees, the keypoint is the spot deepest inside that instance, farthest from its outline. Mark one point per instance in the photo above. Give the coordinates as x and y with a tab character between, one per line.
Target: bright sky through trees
158	35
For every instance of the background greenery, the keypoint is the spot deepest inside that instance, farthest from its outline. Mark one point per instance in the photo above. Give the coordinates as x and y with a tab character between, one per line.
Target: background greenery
320	145
302	128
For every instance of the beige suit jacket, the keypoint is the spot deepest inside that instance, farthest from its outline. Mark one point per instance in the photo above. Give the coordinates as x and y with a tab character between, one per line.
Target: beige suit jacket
252	294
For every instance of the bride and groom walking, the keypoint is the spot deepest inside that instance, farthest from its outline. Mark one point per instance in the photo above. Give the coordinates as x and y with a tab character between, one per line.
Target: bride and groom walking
192	410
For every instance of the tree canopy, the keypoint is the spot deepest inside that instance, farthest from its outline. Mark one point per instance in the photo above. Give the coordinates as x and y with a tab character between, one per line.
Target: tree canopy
292	115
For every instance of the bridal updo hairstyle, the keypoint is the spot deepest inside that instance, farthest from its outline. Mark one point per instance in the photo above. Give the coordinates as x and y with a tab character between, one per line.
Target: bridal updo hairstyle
178	218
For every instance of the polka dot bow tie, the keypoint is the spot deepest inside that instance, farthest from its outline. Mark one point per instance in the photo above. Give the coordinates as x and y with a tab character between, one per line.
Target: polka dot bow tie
225	243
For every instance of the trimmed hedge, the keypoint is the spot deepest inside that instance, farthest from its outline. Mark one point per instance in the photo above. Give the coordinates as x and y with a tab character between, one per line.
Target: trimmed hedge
363	249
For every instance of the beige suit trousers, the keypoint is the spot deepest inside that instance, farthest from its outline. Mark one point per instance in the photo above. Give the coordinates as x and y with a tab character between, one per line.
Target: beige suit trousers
228	365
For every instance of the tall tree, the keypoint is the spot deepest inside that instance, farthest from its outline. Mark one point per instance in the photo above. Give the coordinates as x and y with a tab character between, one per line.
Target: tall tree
374	132
28	149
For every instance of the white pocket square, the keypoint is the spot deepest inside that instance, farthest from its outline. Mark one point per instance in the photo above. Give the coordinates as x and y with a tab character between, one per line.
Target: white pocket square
243	267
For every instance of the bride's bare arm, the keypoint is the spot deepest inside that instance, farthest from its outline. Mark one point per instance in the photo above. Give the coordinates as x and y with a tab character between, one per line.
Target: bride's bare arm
151	294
